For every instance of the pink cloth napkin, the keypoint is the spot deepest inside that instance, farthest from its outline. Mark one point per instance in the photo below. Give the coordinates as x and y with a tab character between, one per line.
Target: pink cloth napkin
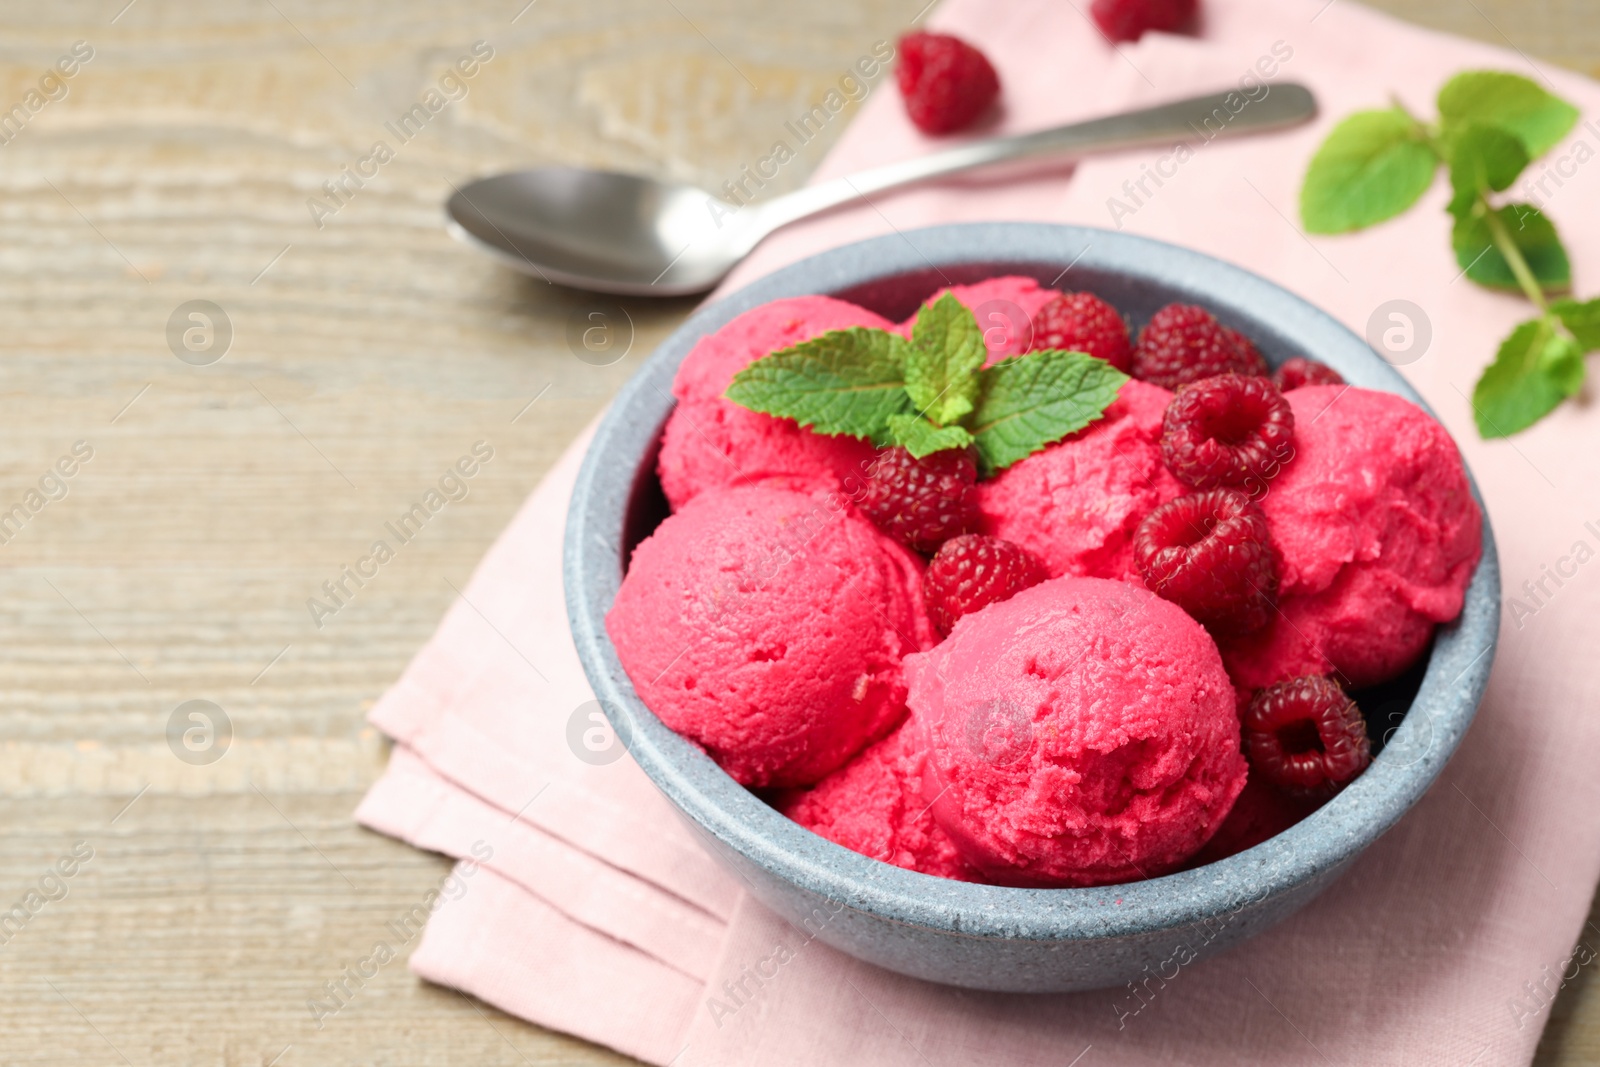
591	908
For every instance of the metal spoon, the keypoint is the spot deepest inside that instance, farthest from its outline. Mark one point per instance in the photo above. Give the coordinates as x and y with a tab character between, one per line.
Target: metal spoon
621	233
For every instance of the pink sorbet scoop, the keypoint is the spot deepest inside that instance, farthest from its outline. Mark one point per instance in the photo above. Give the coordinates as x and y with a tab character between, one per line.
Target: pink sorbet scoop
768	627
1081	733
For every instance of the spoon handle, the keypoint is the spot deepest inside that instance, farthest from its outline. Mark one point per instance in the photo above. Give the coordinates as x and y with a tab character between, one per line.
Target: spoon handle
1194	121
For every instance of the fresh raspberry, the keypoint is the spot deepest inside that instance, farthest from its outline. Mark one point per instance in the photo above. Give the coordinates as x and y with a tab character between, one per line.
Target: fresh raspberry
921	502
945	81
1183	343
1306	736
973	571
1233	430
1299	371
1210	554
1082	322
1126	20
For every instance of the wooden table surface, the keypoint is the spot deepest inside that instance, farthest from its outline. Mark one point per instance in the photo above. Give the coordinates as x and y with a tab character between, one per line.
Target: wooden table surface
368	351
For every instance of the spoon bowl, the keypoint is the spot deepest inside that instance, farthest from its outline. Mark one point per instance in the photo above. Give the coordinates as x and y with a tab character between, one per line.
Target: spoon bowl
613	233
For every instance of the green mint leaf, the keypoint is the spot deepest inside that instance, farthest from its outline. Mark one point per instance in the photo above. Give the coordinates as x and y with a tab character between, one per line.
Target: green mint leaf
1483	159
1536	368
1373	166
1583	319
1028	402
921	438
942	367
1530	230
1510	102
844	382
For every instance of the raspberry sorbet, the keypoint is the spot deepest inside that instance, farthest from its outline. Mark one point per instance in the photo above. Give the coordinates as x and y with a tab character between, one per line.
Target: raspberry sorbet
1378	535
768	627
1081	733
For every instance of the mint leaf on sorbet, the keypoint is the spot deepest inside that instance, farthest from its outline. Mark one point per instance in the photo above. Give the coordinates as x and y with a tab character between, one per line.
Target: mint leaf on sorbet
921	438
1483	159
1029	402
1582	318
1534	236
1536	368
844	382
1511	103
946	351
1373	166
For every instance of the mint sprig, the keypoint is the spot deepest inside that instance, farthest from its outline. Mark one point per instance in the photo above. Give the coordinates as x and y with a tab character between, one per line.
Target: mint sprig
1491	126
933	392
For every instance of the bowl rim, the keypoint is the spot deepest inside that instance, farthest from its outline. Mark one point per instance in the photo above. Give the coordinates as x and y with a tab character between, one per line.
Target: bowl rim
737	820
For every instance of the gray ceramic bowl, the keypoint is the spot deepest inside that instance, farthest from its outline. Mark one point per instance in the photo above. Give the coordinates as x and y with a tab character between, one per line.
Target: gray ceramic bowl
991	937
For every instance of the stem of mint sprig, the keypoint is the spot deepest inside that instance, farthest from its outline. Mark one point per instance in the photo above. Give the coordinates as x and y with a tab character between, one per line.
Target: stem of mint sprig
1492	125
932	392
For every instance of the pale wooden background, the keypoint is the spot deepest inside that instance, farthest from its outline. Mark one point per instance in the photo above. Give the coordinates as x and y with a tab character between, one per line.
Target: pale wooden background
366	358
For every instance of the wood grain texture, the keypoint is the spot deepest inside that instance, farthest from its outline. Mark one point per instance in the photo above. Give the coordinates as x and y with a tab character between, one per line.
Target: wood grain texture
367	355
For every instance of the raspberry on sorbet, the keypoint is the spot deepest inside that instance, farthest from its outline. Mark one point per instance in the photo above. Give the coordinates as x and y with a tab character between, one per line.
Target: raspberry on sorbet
1183	343
1082	322
1211	554
1230	430
973	571
1306	736
921	502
